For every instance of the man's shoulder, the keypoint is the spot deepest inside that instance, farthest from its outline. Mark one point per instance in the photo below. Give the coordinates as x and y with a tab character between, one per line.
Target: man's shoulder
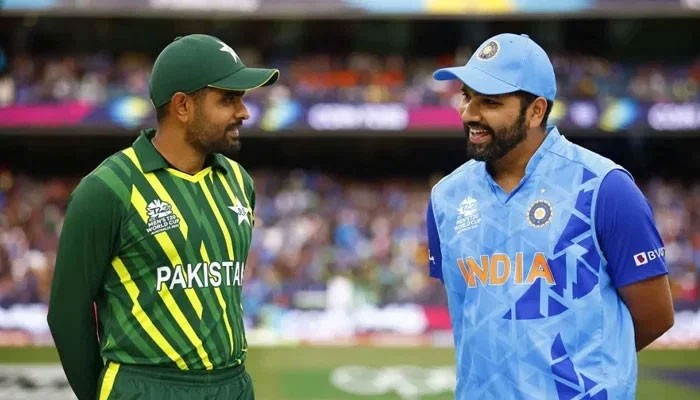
458	176
569	152
119	162
93	191
109	180
234	167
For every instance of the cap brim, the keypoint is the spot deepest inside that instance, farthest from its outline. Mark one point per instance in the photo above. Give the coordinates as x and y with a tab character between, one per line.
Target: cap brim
475	79
247	79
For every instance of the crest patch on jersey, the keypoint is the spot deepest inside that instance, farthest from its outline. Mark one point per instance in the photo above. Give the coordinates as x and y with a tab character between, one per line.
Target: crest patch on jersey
540	213
161	217
241	212
468	217
489	51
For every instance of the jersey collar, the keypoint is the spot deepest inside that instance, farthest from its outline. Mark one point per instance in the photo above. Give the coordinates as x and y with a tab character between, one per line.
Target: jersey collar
151	160
550	140
552	137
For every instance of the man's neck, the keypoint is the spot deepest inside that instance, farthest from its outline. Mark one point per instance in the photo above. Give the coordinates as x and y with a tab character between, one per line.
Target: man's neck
177	152
509	170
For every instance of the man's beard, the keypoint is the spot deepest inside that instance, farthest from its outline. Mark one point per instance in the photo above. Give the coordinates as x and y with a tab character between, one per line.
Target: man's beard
208	138
502	141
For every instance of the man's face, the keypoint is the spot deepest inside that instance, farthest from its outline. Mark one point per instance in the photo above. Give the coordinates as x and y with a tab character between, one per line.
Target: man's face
494	125
218	115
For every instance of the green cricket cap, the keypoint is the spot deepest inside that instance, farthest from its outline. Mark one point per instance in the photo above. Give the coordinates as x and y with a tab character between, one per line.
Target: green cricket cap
196	61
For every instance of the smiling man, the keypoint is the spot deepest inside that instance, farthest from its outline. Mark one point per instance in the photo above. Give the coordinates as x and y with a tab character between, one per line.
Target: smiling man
157	238
553	267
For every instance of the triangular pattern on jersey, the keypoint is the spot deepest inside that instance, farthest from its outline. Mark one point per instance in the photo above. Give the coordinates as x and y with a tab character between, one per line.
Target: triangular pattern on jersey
571	381
530	260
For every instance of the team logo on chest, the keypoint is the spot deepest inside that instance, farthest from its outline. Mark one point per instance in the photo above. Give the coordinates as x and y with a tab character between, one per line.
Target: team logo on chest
540	214
241	212
160	217
468	217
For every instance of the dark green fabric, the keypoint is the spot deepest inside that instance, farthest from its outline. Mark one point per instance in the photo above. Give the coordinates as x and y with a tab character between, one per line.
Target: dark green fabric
103	225
153	383
84	252
193	62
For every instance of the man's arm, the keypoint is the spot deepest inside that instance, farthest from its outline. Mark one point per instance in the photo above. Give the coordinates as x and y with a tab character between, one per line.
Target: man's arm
252	200
636	256
248	188
434	252
651	307
88	238
455	296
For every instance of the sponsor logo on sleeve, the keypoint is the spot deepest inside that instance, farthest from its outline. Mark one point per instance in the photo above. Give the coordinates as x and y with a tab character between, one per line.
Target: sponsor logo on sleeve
646	256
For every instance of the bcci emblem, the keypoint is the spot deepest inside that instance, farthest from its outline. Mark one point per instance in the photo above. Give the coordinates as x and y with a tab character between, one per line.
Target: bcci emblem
540	214
489	51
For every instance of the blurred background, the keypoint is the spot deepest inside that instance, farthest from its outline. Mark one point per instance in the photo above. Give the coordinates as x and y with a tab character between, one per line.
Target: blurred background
343	150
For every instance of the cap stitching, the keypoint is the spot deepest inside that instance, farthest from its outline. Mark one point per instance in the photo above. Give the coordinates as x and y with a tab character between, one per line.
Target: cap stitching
495	77
274	72
226	76
523	61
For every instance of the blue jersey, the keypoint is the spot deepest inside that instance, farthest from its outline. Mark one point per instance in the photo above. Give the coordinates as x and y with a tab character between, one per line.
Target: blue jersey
531	276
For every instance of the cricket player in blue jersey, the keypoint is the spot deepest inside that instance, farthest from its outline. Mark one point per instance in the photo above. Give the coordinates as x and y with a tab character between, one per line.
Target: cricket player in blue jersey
553	267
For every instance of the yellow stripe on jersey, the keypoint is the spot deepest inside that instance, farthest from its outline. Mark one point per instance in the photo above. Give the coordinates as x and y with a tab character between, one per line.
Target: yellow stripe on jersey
239	178
192	178
219	219
205	258
108	380
141	317
159	189
168	247
227	187
163	237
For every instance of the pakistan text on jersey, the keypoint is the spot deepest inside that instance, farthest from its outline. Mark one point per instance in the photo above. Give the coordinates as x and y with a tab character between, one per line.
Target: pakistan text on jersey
496	269
201	275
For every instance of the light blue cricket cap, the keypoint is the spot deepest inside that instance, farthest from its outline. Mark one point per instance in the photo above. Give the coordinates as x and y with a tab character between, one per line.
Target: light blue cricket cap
506	63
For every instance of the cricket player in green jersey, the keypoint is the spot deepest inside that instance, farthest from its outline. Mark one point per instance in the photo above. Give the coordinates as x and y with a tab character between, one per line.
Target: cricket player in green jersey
157	238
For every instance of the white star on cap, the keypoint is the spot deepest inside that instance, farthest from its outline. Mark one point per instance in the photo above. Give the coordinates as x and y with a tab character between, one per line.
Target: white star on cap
242	213
227	49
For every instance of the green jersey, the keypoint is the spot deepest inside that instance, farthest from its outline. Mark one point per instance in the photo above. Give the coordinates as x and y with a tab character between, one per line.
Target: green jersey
162	254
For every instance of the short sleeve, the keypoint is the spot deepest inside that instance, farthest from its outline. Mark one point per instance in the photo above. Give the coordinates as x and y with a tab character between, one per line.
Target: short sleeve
434	253
626	232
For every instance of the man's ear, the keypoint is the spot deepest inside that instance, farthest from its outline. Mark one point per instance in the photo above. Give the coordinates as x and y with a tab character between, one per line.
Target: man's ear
536	112
182	106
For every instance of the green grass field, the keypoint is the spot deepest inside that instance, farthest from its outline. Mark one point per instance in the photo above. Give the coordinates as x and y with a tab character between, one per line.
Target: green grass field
295	373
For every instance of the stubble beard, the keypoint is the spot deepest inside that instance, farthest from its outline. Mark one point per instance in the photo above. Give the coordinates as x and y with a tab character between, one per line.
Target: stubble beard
208	138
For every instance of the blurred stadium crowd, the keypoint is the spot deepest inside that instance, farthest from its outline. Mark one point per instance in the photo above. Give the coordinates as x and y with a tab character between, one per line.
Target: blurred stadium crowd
354	77
311	228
